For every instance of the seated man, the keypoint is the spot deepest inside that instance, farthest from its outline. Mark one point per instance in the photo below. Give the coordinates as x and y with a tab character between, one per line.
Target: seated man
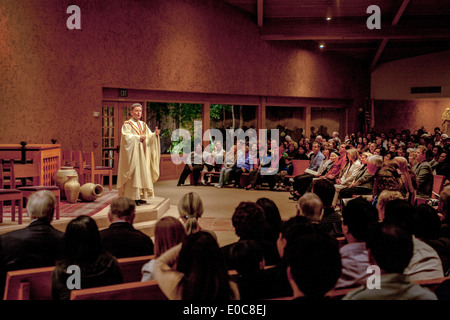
357	217
303	181
314	264
121	239
331	222
310	206
37	245
425	263
391	249
424	173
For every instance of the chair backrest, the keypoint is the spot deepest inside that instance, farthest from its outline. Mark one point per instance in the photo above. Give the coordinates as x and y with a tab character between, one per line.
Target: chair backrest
35	284
28	170
77	158
88	158
146	290
67	158
438	185
299	167
2	176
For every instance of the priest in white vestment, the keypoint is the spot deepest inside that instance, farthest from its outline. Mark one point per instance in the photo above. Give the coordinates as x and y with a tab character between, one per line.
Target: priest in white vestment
139	158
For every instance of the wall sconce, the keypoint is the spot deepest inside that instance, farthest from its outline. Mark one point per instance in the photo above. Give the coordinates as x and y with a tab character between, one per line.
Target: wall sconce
96	114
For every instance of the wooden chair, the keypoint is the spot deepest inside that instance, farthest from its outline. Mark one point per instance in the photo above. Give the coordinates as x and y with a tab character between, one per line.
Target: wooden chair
67	158
91	171
32	170
12	195
35	284
146	290
438	186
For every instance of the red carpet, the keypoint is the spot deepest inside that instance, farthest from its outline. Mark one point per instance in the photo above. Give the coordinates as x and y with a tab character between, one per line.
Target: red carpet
72	210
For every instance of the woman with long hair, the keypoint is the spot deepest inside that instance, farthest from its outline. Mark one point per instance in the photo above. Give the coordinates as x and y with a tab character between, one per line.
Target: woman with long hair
407	178
195	270
83	249
169	232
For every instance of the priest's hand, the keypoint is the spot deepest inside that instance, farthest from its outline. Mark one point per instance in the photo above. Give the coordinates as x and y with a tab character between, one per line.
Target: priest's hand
142	138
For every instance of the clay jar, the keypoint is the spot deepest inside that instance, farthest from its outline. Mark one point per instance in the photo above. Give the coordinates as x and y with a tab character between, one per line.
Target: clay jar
72	189
61	177
90	191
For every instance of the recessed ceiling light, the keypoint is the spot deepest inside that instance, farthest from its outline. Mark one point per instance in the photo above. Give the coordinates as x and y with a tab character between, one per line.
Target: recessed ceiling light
321	46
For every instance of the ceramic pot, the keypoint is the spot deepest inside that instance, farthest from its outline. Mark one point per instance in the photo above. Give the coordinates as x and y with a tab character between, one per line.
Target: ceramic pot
72	189
90	191
61	177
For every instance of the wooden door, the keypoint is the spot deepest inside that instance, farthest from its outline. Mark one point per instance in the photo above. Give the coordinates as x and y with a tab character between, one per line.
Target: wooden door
114	114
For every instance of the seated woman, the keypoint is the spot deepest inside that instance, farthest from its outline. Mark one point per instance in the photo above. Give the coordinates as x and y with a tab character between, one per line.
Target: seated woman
194	165
286	170
169	232
190	209
228	164
195	270
408	180
216	160
348	172
256	175
83	248
301	154
244	163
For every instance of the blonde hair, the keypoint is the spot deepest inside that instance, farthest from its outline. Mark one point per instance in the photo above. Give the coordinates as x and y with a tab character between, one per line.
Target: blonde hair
353	153
310	206
190	207
406	177
169	231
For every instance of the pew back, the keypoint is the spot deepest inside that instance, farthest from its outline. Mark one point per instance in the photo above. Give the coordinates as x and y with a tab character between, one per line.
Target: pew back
35	284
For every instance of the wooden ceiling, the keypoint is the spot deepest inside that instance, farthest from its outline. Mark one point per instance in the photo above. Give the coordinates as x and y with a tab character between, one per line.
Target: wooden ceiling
408	27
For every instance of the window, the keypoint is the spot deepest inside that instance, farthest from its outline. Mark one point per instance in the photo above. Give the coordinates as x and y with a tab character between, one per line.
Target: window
108	136
168	116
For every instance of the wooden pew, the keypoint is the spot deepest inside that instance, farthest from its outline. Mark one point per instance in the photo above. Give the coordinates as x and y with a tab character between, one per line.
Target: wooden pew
299	167
147	290
29	284
35	284
131	267
334	294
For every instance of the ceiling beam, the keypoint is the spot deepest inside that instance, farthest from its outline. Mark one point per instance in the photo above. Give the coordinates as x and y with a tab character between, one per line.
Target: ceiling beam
384	42
353	28
260	12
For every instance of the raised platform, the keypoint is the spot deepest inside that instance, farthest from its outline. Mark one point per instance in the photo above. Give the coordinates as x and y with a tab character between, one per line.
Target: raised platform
146	217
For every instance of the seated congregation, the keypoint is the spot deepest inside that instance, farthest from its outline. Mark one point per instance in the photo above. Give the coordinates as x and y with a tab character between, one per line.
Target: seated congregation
415	161
361	205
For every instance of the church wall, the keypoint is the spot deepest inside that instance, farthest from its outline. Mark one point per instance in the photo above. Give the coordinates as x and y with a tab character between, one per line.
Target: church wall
51	78
410	114
395	105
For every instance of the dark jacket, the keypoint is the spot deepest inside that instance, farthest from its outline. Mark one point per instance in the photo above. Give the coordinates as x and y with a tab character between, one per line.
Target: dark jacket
122	240
37	245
